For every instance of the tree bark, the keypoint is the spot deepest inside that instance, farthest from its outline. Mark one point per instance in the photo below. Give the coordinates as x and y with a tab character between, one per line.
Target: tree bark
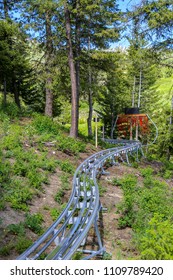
90	101
16	94
48	64
6	15
74	97
5	93
77	57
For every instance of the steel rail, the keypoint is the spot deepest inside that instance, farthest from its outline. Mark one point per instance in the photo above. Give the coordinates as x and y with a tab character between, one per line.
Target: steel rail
64	237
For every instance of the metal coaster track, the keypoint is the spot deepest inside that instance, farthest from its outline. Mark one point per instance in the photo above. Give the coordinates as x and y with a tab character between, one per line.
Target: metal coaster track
69	232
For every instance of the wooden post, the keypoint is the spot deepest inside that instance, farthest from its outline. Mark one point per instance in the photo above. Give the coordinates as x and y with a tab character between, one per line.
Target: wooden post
137	128
96	133
131	130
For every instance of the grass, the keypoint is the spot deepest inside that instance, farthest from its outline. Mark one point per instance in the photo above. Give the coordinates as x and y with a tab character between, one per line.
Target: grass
34	222
148	210
23	167
26	164
18	241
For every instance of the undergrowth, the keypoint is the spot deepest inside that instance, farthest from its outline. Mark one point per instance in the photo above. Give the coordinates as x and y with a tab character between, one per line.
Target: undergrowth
25	161
148	210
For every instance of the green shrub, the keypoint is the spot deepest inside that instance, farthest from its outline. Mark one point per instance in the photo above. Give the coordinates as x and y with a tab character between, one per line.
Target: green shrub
59	195
69	145
34	222
48	164
22	244
17	229
107	256
148	210
11	109
5	171
168	174
65	181
6	249
102	190
20	168
168	165
11	141
157	243
128	184
146	172
66	166
36	179
19	195
2	203
44	124
54	212
77	256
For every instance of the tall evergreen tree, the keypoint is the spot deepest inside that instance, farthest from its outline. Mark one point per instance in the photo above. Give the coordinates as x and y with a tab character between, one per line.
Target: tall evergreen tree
93	25
38	17
14	65
156	19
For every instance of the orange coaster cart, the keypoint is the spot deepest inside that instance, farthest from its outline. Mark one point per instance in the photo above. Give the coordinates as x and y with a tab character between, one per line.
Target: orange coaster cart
135	126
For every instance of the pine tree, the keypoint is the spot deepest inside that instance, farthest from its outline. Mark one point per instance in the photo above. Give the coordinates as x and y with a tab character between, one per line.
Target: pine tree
38	17
14	65
156	19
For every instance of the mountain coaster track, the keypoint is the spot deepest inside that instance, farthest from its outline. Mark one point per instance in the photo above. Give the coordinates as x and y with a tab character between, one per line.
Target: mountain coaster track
68	234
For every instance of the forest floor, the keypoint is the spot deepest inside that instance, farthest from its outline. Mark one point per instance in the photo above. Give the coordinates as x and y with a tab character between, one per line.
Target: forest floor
118	242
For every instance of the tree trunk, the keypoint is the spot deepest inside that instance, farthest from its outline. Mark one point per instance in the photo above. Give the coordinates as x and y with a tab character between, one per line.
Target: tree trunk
5	93
77	57
74	98
16	94
90	101
6	15
48	64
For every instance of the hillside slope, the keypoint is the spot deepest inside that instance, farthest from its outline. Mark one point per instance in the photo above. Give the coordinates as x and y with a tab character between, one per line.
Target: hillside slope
37	164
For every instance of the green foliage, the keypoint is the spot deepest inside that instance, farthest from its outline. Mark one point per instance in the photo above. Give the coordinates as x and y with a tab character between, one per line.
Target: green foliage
65	181
128	184
5	169
146	172
23	171
6	249
36	179
66	166
157	243
44	124
148	210
54	212
167	169
107	256
16	229
69	145
34	222
59	195
168	174
102	190
19	195
2	204
10	109
160	109
77	256
22	244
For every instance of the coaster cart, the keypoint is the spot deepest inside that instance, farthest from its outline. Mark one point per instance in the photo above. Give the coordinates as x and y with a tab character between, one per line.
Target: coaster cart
132	125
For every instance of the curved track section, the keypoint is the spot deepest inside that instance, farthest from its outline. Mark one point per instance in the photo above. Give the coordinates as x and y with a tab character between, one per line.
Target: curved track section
69	232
